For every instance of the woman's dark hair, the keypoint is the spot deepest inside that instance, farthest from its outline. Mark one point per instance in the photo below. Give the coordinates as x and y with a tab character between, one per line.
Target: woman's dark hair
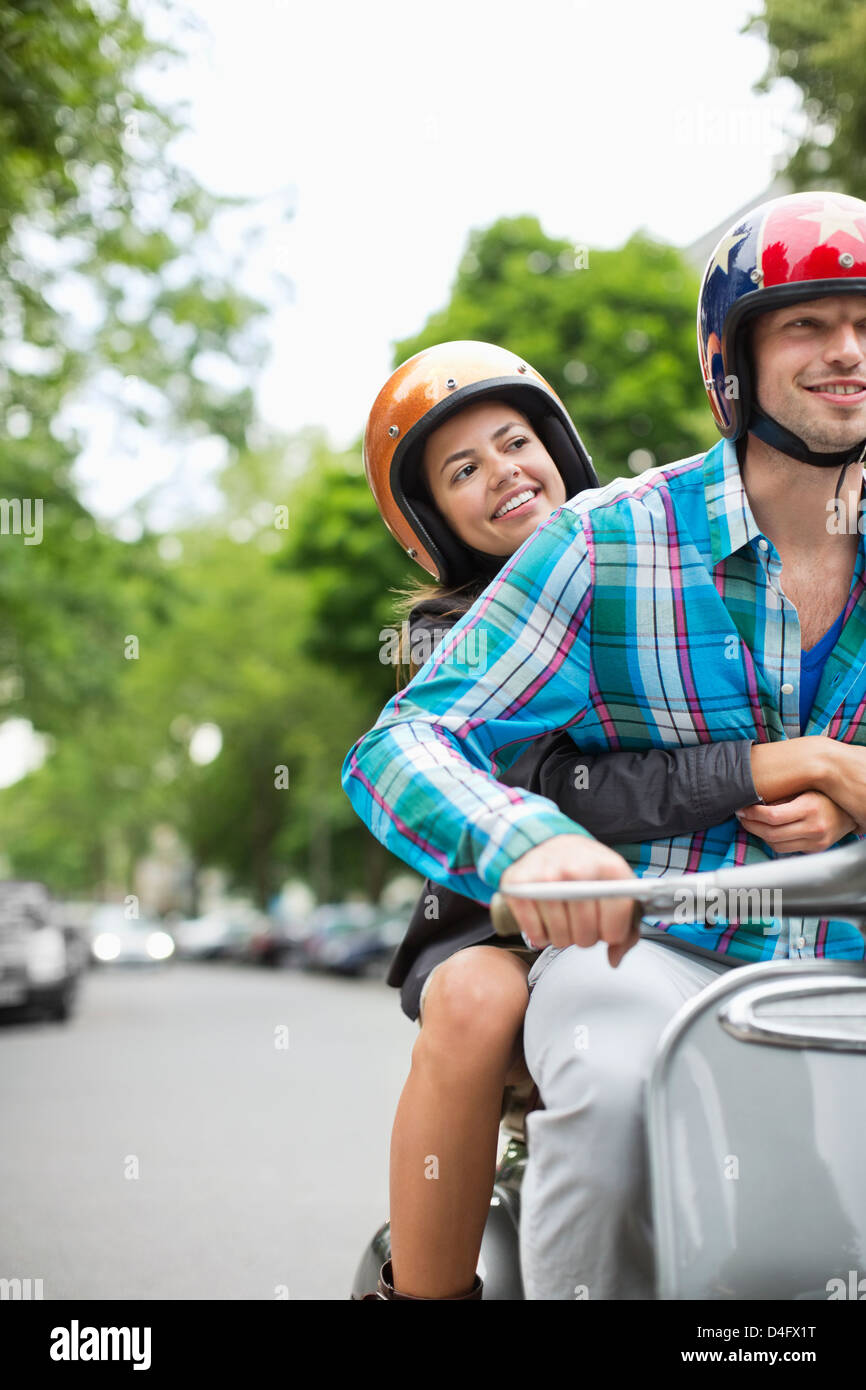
447	601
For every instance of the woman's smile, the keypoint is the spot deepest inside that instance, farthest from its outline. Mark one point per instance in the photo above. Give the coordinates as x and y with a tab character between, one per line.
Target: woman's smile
491	477
520	502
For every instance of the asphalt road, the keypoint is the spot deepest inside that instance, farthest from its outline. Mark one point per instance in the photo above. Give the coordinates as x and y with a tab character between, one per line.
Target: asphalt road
260	1167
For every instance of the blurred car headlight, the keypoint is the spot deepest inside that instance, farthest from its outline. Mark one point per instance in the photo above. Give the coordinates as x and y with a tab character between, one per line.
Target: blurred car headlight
106	946
159	945
46	956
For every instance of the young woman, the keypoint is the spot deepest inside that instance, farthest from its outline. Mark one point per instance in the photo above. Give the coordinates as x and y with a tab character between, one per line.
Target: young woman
467	451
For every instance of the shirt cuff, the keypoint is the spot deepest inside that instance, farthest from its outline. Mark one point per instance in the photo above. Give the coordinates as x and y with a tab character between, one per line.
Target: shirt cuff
502	846
725	778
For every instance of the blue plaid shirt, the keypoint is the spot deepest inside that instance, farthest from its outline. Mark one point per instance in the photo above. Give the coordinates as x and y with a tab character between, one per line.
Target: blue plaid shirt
647	613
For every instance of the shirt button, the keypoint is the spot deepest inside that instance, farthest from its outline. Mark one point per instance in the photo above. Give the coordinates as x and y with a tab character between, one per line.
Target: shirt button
801	942
762	544
787	689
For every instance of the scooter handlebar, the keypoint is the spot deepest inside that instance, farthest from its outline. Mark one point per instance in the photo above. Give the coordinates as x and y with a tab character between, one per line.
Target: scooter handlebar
833	881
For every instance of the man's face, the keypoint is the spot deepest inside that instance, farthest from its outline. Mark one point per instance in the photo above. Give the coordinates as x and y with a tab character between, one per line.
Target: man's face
479	459
810	369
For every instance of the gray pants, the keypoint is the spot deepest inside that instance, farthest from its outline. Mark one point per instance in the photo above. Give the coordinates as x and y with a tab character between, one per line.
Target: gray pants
589	1039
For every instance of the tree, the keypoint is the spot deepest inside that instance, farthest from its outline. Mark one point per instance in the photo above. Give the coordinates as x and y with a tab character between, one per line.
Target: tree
229	654
271	801
820	45
615	338
612	331
109	290
351	567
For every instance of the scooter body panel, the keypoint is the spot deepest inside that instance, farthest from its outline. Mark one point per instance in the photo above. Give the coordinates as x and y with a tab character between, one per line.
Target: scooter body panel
499	1260
756	1123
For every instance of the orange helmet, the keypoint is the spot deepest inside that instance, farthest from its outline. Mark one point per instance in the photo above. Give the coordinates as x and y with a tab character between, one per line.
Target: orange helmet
415	400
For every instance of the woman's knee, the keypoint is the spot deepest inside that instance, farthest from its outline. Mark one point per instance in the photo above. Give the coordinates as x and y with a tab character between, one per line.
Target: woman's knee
479	995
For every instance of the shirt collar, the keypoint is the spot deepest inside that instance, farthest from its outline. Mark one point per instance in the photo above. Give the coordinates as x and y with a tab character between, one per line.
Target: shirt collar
730	516
731	522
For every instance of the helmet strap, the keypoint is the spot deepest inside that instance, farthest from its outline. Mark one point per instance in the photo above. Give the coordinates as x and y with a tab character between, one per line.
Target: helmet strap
771	432
487	566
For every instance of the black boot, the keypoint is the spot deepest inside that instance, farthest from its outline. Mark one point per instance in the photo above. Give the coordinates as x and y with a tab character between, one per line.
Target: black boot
386	1290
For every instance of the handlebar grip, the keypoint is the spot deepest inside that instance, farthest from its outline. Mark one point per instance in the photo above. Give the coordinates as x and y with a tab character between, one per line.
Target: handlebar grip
503	919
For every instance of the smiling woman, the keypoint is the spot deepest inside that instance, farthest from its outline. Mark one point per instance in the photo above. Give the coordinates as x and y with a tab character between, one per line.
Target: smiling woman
458	430
491	477
467	452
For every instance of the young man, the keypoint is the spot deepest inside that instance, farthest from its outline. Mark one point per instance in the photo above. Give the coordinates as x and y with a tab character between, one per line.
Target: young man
722	597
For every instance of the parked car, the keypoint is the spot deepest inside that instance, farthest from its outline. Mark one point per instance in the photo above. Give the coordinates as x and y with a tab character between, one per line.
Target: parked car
116	939
225	933
352	938
41	957
279	942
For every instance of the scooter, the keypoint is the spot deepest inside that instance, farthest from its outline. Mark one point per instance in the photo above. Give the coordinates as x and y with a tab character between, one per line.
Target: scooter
762	1073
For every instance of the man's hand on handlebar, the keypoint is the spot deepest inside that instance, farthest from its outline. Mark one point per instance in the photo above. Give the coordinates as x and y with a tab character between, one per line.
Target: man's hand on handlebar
549	923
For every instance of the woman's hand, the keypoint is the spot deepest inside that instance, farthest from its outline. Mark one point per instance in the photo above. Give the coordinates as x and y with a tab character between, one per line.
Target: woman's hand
804	825
789	767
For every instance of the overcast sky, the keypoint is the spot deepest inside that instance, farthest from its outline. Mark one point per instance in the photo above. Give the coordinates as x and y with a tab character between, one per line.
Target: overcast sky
396	128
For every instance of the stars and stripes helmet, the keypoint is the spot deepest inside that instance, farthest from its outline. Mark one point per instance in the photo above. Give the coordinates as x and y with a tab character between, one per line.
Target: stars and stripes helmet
801	246
416	399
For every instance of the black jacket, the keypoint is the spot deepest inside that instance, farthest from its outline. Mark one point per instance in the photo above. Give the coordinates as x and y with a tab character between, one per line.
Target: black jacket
622	797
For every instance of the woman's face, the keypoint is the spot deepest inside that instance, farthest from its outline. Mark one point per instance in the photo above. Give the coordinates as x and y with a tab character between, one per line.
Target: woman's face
482	458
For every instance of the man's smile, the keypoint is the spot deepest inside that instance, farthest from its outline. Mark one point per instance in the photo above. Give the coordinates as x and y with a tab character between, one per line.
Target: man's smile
843	391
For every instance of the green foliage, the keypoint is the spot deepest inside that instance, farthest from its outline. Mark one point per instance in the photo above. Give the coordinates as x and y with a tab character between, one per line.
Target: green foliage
233	658
102	241
614	335
66	601
351	566
86	814
820	46
615	340
230	655
107	272
94	216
